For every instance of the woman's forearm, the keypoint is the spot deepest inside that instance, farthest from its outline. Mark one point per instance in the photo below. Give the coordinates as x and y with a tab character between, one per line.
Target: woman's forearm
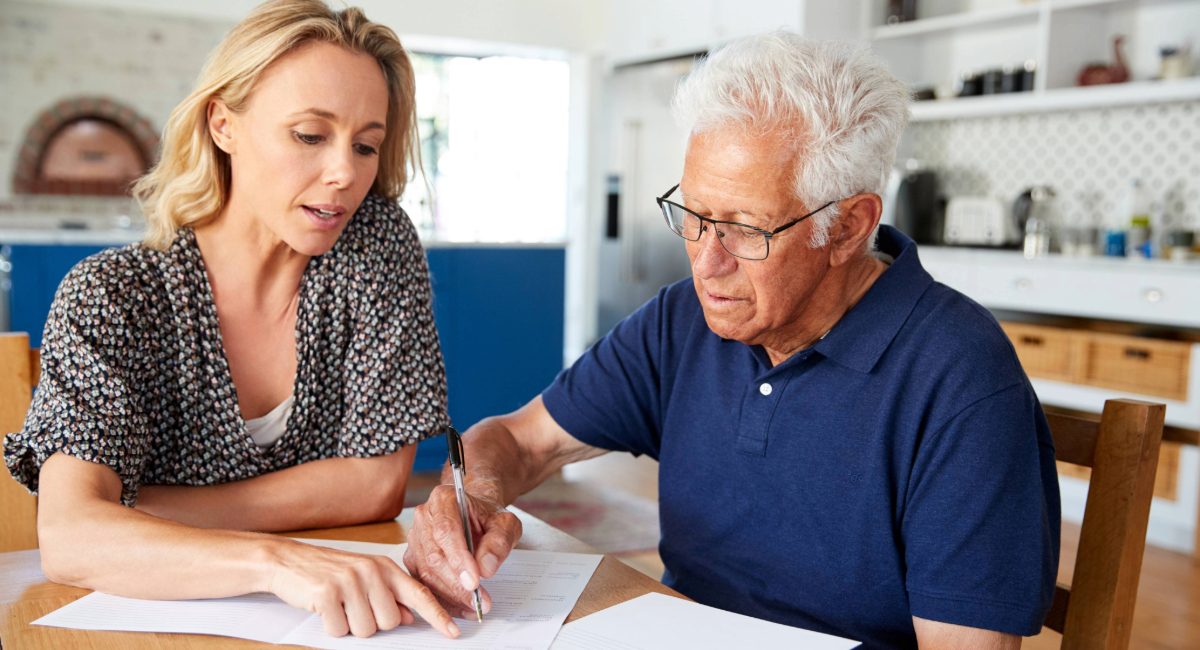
318	494
132	554
88	540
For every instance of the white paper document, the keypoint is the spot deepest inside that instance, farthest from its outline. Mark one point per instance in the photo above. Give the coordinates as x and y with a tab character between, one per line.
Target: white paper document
655	621
532	594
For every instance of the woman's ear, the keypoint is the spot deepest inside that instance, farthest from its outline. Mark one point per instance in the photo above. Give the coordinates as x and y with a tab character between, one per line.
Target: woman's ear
220	126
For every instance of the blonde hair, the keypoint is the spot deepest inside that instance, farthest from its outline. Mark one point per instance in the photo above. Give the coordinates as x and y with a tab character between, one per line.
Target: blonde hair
190	183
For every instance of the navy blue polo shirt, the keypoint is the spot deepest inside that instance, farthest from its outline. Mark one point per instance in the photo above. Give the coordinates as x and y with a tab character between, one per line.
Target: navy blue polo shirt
901	466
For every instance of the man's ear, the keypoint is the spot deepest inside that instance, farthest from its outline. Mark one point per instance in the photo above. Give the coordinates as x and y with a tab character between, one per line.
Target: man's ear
220	126
855	225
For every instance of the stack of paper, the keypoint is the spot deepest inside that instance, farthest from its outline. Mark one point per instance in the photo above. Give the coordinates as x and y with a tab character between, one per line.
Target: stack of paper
532	594
656	621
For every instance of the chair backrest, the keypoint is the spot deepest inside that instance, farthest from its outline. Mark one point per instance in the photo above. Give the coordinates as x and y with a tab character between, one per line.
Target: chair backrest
1095	612
20	368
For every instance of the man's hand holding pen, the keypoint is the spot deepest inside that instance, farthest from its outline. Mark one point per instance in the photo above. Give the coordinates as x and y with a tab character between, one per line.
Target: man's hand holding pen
438	553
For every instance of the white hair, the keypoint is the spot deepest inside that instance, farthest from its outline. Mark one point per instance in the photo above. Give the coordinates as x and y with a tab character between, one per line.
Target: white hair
839	103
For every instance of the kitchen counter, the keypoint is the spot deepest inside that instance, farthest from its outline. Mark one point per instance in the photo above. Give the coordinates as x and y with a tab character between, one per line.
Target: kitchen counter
122	236
979	255
69	236
1157	292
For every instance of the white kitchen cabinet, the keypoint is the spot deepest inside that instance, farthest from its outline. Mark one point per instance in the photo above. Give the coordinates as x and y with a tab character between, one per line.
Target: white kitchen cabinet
737	18
1154	292
642	31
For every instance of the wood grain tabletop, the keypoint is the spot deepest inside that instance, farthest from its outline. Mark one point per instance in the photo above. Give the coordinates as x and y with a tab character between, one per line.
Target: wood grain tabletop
26	595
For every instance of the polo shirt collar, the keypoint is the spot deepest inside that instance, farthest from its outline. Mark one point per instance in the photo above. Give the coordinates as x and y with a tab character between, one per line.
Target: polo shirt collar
862	335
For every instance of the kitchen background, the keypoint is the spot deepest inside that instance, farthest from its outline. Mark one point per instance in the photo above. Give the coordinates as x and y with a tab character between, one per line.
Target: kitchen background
1050	171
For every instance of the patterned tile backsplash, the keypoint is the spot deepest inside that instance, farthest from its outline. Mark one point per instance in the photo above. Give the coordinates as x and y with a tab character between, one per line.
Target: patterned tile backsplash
1086	156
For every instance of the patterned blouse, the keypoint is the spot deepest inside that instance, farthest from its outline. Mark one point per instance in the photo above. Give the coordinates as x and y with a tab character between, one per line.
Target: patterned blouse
134	373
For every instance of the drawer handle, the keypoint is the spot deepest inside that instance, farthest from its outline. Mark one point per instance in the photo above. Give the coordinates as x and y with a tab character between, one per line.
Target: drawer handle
1135	353
1024	284
1153	295
1031	340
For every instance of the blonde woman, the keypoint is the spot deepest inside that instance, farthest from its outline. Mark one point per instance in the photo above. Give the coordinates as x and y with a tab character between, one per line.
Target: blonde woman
266	359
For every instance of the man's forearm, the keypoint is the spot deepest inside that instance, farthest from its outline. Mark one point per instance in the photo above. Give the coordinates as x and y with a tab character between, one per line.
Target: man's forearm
318	494
495	467
934	635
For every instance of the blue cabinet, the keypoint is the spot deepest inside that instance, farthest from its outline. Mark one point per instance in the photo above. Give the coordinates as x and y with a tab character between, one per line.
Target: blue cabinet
499	314
36	273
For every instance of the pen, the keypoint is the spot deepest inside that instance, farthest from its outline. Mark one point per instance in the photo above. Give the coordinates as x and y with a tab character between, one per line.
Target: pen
457	454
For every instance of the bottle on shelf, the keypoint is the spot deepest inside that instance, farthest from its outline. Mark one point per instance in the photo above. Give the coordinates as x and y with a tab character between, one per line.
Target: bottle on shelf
1037	226
1136	210
1114	242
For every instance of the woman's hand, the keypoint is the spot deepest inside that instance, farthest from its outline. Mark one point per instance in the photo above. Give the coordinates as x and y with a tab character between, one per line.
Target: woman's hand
353	593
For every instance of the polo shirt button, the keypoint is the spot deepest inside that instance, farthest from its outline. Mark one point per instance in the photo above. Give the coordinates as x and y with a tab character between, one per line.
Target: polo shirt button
765	388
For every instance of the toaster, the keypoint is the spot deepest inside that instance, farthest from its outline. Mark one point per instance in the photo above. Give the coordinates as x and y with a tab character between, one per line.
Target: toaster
978	221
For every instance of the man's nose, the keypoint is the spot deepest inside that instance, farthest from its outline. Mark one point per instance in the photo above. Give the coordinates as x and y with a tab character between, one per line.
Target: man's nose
712	260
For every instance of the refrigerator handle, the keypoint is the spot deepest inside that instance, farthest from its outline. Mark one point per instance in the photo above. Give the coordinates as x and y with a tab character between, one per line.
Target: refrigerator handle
632	262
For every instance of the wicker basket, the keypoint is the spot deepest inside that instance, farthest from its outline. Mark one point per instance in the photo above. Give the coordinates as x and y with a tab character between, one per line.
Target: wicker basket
1048	352
1138	365
1129	364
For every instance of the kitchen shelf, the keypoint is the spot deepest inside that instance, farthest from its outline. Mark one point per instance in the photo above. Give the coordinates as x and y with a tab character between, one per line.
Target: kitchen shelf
983	17
960	20
1058	99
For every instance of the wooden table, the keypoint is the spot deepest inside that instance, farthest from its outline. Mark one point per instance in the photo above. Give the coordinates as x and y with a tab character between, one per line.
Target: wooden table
26	595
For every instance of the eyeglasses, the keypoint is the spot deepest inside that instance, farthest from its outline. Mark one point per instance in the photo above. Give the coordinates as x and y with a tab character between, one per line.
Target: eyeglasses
741	240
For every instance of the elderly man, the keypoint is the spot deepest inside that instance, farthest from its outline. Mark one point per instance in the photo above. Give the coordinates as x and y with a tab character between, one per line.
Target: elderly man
845	445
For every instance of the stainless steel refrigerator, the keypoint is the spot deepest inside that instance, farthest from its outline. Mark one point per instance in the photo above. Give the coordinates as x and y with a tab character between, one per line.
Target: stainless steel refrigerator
645	149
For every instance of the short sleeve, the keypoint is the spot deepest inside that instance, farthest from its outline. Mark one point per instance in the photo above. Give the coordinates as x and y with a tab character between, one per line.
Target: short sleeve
395	382
610	397
85	404
981	522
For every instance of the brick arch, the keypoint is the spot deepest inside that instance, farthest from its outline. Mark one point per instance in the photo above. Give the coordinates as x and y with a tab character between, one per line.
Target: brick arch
29	158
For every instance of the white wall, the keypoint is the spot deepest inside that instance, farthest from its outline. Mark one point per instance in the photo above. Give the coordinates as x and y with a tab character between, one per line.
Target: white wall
577	25
148	62
147	54
584	205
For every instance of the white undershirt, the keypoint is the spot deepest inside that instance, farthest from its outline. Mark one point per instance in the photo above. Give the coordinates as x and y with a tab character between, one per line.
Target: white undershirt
269	428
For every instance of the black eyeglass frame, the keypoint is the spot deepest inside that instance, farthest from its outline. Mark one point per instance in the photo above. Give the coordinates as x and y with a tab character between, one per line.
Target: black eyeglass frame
767	234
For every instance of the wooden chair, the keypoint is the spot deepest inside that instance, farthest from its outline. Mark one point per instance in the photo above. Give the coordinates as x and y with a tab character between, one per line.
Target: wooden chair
1095	612
20	368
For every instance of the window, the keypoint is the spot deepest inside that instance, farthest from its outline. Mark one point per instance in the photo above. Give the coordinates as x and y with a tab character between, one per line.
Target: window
494	147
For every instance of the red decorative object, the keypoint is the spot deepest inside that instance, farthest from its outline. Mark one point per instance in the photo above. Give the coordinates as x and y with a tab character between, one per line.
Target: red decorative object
1100	73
